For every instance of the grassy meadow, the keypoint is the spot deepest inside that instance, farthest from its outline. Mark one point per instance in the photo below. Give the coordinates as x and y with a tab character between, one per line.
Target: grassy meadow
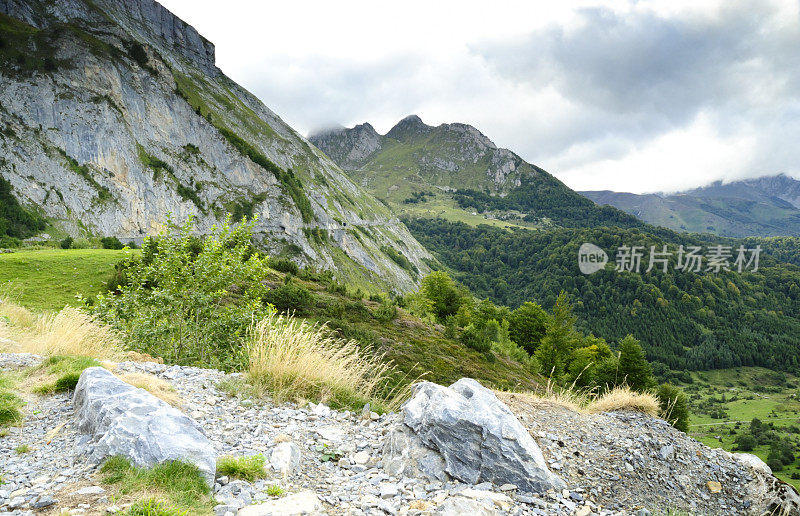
724	402
49	279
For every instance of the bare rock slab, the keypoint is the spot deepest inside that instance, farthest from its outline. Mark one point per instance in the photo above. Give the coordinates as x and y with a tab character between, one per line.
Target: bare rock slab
130	422
476	435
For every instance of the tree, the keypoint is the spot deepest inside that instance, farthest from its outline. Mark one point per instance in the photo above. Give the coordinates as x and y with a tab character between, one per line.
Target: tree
441	290
674	406
745	442
633	366
527	325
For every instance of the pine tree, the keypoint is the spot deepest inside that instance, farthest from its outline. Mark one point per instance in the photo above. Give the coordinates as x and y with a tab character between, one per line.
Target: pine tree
633	366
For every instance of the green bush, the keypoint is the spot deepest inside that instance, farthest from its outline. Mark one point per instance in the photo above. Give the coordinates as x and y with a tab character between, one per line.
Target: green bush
153	507
67	243
284	265
188	300
111	242
674	406
473	338
290	297
385	312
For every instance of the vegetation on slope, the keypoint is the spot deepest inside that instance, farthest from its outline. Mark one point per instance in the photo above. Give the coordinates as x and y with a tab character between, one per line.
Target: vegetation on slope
15	221
685	320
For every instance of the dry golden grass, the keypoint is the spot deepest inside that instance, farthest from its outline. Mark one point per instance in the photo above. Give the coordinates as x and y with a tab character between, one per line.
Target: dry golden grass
293	360
68	332
622	398
156	386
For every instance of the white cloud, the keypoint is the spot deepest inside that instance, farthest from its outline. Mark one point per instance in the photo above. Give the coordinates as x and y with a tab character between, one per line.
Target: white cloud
639	96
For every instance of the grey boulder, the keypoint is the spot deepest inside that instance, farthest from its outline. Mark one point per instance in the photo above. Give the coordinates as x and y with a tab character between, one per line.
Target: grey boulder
130	422
476	435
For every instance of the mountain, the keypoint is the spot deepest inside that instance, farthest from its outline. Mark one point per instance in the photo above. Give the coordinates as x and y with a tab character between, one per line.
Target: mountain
114	117
455	171
766	206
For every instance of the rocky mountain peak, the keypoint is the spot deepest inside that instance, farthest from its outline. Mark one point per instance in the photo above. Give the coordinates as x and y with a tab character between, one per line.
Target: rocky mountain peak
410	126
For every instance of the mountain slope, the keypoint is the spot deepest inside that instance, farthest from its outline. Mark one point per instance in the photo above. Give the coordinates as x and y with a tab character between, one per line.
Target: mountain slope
766	206
455	171
113	116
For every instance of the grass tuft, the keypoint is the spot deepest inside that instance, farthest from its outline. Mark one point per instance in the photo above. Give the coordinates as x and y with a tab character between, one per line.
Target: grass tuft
68	332
275	490
156	386
179	483
65	369
622	398
153	507
246	468
294	360
23	448
10	404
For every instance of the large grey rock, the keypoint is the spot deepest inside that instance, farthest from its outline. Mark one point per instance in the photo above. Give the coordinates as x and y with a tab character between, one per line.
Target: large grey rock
404	454
131	422
477	436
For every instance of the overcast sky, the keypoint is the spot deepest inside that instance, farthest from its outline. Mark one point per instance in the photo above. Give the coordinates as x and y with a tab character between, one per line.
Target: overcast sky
619	95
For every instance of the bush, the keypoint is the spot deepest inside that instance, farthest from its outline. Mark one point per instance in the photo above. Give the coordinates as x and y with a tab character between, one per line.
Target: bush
246	468
473	338
674	406
385	312
191	301
111	242
67	243
622	398
284	265
290	298
745	442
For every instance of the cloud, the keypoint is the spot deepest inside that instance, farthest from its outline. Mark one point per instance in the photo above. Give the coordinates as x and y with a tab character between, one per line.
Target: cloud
626	95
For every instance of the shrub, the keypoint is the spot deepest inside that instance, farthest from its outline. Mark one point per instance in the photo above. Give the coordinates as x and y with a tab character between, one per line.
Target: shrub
67	243
111	242
284	265
385	312
622	398
246	468
674	406
290	298
191	301
296	361
745	442
473	338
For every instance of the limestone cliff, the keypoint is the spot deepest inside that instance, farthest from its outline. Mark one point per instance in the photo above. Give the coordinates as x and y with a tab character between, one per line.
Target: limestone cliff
113	116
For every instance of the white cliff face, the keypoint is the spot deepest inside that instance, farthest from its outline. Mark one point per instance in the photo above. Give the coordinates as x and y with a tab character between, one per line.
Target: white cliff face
112	141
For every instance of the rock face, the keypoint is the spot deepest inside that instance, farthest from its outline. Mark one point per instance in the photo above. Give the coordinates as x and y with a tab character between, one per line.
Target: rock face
119	117
478	438
131	422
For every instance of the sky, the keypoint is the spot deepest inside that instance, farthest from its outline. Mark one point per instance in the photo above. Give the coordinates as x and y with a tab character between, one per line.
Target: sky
618	95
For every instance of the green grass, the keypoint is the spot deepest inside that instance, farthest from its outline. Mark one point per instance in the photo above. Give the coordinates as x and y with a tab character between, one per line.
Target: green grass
10	404
273	490
723	402
246	468
180	484
153	507
23	448
48	279
67	370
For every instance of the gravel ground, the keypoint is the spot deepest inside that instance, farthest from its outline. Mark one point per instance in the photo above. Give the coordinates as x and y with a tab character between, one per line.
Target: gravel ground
619	463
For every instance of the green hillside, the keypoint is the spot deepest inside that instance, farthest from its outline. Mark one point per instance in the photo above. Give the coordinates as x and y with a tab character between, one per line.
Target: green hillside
685	320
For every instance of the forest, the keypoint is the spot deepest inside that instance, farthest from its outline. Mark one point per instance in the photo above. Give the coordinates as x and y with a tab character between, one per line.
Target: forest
684	319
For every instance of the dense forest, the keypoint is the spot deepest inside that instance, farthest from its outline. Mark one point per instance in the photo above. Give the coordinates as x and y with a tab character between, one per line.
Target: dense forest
684	319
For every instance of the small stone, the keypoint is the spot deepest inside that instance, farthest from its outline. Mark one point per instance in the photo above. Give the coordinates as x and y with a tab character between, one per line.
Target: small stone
92	490
43	501
713	486
583	511
389	490
361	457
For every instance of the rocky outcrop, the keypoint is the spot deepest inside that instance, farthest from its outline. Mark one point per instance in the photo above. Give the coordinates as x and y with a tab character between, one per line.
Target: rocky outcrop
123	119
476	435
132	423
349	148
